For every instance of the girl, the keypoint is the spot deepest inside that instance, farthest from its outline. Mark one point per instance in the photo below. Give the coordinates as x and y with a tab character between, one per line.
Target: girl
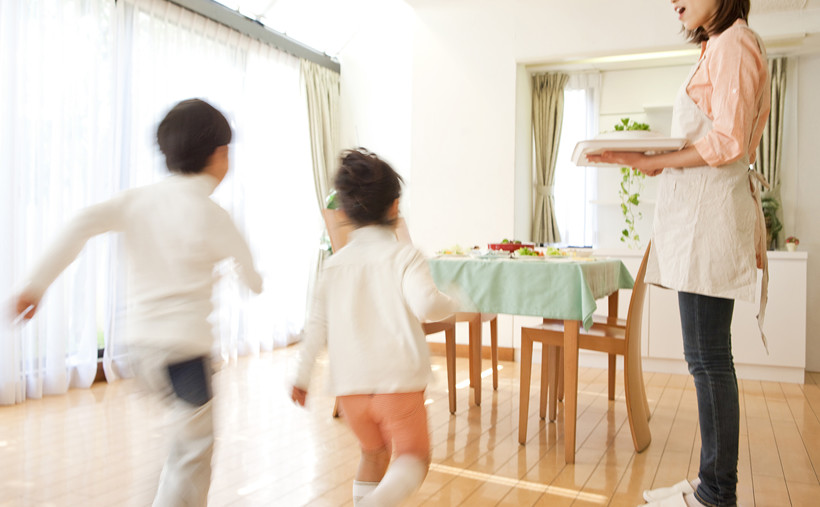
708	231
368	305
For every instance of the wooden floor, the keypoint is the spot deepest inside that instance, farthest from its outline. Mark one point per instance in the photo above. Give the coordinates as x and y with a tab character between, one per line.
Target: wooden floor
104	446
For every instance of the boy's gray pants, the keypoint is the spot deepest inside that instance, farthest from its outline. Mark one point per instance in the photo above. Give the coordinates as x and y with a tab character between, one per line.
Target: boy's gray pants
186	475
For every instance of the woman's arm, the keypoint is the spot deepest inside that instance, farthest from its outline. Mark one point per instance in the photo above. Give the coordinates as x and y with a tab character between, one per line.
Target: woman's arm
651	165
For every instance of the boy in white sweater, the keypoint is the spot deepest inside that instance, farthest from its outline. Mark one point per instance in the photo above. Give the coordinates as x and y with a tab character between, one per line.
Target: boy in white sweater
367	309
174	236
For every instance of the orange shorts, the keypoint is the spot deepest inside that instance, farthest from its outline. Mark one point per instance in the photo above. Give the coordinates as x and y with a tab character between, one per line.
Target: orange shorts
379	420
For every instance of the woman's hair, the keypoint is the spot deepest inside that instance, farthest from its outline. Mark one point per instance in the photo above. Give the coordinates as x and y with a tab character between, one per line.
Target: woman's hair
728	12
190	133
366	187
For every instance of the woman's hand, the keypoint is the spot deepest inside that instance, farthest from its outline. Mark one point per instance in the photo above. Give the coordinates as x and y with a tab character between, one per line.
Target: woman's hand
636	160
298	396
651	165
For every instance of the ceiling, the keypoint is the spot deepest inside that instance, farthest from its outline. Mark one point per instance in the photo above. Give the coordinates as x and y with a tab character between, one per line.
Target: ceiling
324	25
328	25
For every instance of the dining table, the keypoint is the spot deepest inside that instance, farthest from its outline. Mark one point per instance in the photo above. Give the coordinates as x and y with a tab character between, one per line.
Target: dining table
561	287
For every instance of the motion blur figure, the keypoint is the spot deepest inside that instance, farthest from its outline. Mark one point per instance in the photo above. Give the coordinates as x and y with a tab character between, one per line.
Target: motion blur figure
174	236
368	307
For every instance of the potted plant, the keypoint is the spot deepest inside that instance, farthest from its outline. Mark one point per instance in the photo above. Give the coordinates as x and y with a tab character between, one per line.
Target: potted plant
632	182
791	243
773	224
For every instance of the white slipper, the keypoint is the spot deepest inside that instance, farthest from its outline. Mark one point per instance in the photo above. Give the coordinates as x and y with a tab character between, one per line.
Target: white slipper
675	500
654	495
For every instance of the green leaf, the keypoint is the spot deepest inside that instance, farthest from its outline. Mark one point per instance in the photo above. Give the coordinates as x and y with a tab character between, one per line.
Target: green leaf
625	232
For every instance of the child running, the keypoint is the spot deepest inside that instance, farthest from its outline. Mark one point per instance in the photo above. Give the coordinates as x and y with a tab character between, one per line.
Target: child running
174	236
368	307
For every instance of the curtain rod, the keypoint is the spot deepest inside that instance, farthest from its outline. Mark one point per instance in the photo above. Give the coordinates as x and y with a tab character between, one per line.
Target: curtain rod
257	30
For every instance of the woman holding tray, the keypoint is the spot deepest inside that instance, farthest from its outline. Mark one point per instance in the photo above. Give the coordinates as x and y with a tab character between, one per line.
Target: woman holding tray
709	235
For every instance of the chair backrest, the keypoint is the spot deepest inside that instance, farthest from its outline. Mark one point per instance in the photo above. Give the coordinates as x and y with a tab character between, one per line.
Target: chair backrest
638	409
339	228
634	316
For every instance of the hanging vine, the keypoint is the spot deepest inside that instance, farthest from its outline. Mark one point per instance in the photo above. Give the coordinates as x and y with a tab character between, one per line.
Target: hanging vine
632	183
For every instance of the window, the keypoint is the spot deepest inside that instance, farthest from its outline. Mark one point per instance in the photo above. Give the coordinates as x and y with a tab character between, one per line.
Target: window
82	88
576	187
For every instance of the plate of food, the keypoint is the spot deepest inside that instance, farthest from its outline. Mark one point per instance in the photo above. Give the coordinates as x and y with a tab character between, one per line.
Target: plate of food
528	254
452	251
508	245
644	141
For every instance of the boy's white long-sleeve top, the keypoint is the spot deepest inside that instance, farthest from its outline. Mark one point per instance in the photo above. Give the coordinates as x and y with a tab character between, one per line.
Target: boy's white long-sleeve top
368	307
174	235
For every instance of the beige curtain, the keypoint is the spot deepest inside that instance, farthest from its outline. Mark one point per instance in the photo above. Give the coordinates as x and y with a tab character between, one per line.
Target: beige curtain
322	89
771	145
547	115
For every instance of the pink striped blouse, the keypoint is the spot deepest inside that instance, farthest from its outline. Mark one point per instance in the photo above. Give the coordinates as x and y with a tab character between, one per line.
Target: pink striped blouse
731	86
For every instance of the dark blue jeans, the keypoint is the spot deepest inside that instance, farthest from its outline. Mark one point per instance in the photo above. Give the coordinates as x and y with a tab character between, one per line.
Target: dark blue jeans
707	344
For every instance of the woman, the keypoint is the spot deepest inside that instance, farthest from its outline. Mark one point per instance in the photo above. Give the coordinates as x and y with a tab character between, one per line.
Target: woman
707	241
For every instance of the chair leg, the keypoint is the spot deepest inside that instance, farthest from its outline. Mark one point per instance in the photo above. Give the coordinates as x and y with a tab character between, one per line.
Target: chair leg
613	361
524	387
560	374
545	378
494	350
636	405
450	356
475	351
643	395
554	378
336	408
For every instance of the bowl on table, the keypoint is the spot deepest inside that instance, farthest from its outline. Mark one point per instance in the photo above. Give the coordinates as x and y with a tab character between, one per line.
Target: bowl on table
509	247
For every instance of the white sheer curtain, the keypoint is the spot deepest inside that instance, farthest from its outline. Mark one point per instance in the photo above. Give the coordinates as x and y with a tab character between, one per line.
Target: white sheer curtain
176	54
575	187
55	116
83	84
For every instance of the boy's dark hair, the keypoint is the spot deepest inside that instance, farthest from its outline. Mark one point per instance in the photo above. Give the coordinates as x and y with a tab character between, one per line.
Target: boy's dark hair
190	133
728	12
366	187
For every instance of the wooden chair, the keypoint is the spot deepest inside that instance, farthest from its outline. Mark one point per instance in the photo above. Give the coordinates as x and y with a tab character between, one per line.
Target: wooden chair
338	229
477	321
606	335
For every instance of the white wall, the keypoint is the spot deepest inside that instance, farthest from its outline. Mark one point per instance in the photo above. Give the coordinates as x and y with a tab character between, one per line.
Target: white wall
466	154
376	85
801	181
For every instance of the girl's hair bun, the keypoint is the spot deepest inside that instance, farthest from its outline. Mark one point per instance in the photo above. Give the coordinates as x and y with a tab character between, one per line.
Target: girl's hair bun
366	187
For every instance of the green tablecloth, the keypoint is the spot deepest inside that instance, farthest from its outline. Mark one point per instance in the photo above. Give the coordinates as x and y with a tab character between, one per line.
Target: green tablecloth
555	289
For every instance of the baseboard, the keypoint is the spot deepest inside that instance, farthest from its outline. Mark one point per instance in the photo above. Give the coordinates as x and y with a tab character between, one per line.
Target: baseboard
504	353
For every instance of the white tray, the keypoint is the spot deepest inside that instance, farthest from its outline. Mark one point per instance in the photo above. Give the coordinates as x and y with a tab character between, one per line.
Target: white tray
646	145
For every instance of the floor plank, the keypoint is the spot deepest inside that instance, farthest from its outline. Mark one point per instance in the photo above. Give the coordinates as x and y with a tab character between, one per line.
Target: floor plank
105	445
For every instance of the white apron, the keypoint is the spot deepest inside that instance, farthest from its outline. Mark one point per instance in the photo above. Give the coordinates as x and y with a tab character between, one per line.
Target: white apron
707	236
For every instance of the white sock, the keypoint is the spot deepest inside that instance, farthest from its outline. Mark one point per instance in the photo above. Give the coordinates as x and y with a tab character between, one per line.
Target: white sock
403	478
361	489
